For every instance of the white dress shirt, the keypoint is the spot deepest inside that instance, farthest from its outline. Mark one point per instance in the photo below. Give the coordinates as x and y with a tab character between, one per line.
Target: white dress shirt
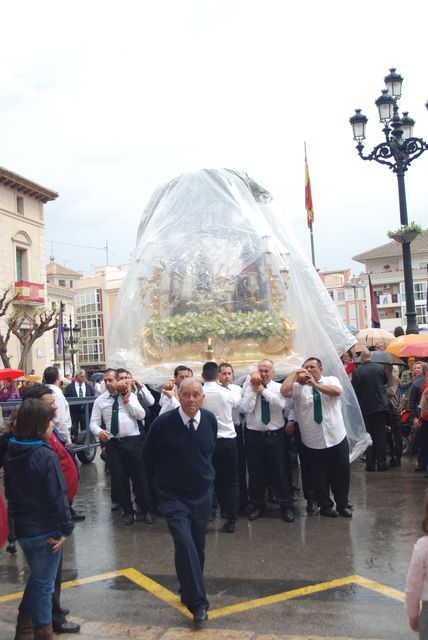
332	430
289	413
168	404
77	387
62	418
128	415
196	418
219	401
252	405
148	397
236	391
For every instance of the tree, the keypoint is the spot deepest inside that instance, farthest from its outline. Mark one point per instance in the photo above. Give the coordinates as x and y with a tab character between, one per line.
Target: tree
7	297
28	324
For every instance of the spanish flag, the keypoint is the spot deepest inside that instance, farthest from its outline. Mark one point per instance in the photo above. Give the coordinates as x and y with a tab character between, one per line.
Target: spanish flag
308	195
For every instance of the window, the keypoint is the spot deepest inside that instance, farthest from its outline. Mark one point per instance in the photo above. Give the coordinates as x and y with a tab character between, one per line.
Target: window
88	301
420	290
331	294
21	264
341	295
421	314
20	204
61	283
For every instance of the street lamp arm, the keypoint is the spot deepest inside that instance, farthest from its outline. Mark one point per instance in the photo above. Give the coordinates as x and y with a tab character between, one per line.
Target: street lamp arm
398	156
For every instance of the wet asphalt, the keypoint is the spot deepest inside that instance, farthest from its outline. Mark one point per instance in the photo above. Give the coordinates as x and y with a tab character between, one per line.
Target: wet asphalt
261	559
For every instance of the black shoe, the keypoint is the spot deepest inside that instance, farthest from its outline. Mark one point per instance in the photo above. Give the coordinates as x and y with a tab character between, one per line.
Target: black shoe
200	616
254	514
383	467
329	513
311	506
76	517
128	519
11	547
66	627
115	507
288	514
228	527
346	512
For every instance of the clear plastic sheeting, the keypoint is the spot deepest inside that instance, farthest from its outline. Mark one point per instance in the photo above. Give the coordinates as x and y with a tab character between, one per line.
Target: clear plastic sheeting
218	275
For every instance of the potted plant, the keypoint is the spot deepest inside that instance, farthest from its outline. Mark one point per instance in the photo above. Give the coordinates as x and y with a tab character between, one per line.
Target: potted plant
406	233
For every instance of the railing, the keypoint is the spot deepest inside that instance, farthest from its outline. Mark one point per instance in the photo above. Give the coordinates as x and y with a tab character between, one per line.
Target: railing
89	443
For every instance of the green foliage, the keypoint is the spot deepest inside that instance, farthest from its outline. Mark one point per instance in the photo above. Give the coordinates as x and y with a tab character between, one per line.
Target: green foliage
193	326
412	227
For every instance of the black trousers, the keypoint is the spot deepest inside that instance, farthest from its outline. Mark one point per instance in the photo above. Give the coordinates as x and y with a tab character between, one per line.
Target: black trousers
125	461
242	467
376	427
308	484
267	464
187	520
330	470
225	463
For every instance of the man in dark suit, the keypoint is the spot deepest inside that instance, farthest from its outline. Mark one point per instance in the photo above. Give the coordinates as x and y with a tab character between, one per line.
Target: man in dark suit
179	449
80	388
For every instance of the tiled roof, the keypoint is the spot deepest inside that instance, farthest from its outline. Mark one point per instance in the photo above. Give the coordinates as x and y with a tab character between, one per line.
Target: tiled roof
393	249
55	269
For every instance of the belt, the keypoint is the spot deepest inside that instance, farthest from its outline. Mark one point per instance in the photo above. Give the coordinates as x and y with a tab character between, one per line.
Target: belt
267	434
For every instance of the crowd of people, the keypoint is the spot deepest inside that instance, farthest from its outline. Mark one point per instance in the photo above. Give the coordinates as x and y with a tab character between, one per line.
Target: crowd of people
189	449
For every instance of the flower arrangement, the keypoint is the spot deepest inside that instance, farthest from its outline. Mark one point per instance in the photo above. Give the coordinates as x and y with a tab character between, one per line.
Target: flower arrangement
194	326
407	232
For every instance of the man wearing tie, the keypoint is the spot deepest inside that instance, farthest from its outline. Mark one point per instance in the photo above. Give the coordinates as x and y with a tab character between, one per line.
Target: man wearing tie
264	439
114	421
179	449
79	389
318	408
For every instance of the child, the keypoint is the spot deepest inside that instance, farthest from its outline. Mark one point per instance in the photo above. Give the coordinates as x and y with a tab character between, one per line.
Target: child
417	583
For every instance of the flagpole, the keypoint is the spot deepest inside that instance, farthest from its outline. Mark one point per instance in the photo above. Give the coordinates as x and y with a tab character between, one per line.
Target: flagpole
309	208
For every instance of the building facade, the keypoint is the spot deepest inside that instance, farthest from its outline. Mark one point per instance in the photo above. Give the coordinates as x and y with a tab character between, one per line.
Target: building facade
349	295
22	249
385	266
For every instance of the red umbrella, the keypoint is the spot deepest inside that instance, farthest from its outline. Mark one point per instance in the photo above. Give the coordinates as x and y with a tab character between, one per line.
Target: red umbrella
11	374
418	350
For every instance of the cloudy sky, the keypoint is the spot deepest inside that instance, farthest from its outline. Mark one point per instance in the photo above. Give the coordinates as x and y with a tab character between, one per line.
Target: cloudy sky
104	101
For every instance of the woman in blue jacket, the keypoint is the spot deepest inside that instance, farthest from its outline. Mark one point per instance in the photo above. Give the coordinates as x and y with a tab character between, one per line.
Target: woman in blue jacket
37	497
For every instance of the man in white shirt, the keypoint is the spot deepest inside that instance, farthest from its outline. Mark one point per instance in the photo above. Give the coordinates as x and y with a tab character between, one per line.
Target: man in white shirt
225	378
220	402
264	437
318	408
114	421
169	397
62	419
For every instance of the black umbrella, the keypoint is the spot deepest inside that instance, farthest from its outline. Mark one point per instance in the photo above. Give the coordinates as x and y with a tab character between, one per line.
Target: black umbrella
383	357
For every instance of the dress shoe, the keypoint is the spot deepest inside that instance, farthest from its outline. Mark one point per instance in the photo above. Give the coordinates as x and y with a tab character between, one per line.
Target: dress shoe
66	627
287	514
228	527
199	616
254	514
115	506
329	512
76	516
311	506
346	512
128	519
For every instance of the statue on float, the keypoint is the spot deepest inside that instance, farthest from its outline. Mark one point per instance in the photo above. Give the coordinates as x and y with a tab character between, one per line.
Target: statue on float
217	275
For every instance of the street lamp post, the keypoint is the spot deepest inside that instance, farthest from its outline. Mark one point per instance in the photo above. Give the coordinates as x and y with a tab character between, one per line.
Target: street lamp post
397	152
71	337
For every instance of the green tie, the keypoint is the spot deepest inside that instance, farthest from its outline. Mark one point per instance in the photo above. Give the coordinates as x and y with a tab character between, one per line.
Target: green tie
80	390
114	425
317	405
265	411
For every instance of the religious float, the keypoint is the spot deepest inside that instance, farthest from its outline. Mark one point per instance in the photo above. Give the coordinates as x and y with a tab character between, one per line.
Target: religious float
217	275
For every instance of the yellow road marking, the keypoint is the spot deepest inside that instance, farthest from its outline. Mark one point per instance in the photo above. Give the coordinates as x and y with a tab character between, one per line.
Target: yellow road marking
170	598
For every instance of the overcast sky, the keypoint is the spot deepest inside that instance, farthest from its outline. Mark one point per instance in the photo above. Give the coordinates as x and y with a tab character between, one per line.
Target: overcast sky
104	101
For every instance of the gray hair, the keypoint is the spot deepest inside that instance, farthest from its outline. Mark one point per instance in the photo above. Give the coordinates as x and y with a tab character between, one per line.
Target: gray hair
187	382
365	355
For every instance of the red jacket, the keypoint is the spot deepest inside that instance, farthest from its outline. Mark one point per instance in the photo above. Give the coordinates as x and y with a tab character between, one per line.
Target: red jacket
68	464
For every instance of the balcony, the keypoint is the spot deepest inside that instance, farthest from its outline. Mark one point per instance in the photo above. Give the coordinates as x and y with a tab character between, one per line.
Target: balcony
387	300
29	293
